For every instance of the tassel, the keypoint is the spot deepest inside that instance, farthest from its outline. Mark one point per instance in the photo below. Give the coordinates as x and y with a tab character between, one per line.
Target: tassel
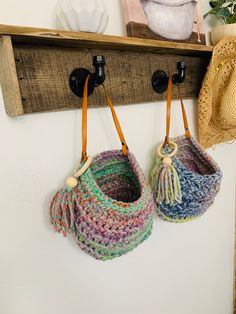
168	183
61	211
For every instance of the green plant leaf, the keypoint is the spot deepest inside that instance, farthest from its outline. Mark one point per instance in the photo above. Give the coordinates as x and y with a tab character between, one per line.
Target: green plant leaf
221	2
223	9
212	12
232	19
213	4
223	13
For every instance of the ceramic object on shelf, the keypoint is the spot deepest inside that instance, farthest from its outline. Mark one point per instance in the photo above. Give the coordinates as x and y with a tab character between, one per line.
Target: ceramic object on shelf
222	31
82	15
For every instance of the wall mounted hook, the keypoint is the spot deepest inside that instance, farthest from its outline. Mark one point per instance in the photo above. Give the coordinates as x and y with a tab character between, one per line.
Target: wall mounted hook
160	78
78	76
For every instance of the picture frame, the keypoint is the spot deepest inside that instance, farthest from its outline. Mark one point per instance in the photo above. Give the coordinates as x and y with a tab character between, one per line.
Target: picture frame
169	20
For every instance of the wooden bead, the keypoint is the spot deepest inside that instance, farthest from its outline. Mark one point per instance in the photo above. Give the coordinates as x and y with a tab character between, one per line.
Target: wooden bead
71	182
167	161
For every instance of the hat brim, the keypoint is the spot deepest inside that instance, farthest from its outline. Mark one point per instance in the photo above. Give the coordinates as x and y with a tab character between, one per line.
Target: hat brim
209	131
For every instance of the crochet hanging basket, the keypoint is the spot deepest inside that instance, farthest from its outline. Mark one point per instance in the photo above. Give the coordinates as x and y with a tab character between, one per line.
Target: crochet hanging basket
109	208
199	178
189	190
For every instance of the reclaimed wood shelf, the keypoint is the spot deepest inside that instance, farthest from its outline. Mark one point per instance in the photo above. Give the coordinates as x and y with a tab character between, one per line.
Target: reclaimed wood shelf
35	65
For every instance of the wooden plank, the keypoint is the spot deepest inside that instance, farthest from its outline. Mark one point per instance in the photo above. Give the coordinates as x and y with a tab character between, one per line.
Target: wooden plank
26	35
38	80
44	73
8	78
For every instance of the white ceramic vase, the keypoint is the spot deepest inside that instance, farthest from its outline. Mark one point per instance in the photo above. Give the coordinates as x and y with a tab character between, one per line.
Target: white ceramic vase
82	15
222	31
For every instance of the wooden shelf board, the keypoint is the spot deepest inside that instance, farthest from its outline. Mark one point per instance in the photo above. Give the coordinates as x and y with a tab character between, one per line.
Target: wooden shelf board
27	35
35	65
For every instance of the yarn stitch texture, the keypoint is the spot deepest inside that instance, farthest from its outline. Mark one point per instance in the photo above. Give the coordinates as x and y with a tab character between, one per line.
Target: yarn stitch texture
110	212
200	179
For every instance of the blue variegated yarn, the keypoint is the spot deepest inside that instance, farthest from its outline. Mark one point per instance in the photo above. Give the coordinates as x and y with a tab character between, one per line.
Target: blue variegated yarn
200	179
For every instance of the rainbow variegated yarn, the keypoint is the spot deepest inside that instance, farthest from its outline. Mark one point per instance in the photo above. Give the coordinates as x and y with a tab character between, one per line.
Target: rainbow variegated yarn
200	179
110	211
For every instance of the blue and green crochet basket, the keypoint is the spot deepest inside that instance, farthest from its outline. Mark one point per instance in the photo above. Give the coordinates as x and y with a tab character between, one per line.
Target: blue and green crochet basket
186	184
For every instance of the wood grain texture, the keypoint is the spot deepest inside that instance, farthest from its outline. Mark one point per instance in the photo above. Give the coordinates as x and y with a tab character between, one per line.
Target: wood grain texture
8	78
36	64
26	35
44	72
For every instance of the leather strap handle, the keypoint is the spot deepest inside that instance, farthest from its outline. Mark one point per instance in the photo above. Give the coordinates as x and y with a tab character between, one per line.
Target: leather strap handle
185	120
117	123
168	111
84	121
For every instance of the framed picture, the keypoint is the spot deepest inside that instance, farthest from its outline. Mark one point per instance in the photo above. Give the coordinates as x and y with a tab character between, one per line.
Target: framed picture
171	20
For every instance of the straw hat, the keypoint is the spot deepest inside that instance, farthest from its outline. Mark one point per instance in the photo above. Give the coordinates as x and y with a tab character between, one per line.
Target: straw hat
217	99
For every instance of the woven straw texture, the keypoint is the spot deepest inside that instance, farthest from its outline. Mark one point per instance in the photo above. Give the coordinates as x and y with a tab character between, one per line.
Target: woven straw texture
200	179
217	99
110	211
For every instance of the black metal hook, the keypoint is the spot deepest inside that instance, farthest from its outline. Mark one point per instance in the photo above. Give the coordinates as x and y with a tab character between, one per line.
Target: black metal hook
78	77
160	78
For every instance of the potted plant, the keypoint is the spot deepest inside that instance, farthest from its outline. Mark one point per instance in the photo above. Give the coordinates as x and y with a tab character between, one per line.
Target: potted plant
226	11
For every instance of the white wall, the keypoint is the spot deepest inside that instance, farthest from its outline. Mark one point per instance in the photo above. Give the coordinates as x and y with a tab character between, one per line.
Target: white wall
182	269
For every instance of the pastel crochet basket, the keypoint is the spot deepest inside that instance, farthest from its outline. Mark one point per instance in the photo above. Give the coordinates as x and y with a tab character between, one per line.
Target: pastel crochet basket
184	183
109	208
